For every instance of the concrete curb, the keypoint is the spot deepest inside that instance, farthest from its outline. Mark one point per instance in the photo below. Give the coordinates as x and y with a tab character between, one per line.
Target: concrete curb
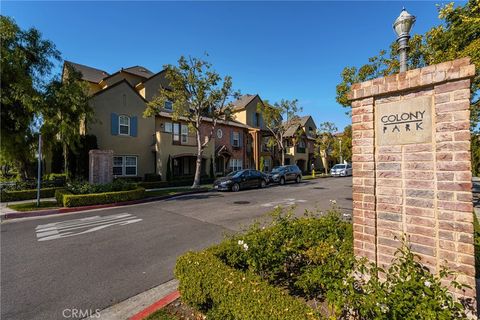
156	306
39	213
141	305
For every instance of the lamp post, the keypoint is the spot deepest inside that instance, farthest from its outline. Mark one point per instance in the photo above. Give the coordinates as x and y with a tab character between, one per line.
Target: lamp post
402	27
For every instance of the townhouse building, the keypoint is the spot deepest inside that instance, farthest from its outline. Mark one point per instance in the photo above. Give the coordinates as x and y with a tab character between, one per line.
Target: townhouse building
150	145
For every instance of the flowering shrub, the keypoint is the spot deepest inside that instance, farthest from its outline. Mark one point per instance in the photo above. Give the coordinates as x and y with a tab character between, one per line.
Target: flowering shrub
405	290
312	258
309	255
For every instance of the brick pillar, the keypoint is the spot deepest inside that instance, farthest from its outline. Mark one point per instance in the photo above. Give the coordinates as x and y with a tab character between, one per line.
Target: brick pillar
100	166
412	168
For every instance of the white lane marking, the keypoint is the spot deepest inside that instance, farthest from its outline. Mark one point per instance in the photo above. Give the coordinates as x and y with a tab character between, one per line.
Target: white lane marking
284	202
70	228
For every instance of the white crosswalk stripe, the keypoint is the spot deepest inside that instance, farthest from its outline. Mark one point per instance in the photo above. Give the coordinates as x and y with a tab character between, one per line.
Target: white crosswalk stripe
70	228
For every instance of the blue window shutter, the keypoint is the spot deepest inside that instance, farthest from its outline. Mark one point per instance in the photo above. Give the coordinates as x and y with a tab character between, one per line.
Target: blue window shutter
133	126
240	138
254	119
114	128
231	138
261	121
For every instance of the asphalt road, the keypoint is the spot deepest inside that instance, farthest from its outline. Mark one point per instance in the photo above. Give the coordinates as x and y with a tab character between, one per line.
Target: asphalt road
56	263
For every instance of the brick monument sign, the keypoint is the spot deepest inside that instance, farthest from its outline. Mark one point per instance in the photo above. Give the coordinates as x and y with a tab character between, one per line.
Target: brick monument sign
100	168
412	169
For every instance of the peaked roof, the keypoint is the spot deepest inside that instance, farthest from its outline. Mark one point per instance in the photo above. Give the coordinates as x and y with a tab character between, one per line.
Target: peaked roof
139	71
88	73
117	84
243	101
303	120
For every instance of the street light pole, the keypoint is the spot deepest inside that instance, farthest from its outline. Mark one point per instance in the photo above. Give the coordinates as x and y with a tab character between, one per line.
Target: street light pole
341	157
39	170
402	26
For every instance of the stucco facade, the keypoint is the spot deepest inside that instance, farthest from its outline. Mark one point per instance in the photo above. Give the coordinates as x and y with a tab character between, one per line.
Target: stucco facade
122	99
119	100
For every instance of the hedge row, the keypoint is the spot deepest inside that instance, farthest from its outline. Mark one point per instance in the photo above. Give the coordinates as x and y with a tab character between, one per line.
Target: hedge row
222	292
173	183
59	195
17	195
77	200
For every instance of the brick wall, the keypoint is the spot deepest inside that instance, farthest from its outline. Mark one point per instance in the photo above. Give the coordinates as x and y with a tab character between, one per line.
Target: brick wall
419	189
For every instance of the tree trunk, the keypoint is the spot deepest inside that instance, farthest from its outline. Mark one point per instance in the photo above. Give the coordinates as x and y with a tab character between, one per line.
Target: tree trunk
198	168
283	156
65	158
324	161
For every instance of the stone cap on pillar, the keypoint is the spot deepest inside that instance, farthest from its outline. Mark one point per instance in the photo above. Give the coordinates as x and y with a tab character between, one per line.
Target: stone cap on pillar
413	79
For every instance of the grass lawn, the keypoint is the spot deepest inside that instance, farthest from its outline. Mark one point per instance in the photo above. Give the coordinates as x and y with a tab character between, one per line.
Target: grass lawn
160	315
30	206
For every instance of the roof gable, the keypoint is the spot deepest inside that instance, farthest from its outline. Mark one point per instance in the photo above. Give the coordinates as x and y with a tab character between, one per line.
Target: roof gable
116	85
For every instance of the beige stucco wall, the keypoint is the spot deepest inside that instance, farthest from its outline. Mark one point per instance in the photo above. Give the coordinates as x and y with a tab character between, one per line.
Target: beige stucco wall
154	84
246	116
164	147
112	101
310	123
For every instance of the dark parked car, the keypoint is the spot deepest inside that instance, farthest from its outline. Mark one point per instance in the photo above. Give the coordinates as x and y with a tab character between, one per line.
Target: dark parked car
283	174
242	179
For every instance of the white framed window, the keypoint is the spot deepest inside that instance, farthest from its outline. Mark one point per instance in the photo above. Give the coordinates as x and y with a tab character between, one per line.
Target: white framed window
125	165
176	132
236	139
168	105
118	166
219	133
235	164
124	125
168	127
184	133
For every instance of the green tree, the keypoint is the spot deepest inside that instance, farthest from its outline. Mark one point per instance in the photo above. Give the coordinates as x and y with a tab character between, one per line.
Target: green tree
273	116
342	147
458	36
66	108
199	96
26	59
324	142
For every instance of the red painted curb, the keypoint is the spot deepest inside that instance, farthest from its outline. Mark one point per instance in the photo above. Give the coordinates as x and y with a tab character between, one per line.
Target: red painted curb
156	306
38	213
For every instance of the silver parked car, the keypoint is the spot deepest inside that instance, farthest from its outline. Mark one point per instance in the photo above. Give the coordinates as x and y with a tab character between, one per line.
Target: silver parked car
341	170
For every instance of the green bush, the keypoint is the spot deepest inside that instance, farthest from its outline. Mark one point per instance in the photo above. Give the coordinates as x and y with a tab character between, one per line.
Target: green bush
154	184
310	254
59	193
224	293
83	187
312	258
17	195
406	290
78	200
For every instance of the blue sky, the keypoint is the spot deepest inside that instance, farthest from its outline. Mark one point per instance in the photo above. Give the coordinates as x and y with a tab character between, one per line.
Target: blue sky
276	49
